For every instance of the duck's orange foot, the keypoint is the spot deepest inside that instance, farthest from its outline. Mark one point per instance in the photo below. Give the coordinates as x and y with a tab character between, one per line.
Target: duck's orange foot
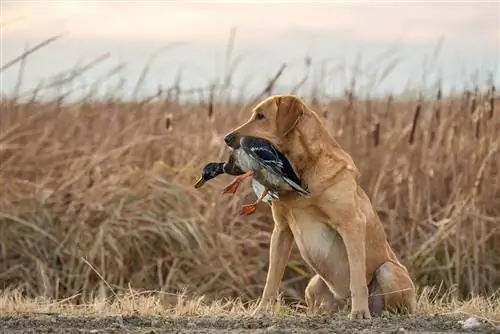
231	187
248	209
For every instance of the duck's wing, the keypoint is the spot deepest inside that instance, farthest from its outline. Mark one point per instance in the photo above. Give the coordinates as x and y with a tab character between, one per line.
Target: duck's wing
268	156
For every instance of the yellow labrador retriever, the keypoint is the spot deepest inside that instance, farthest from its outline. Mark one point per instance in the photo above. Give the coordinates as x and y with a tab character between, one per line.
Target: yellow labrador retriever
336	229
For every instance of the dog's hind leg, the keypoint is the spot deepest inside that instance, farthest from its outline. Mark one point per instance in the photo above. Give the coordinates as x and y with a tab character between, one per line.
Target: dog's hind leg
392	289
320	298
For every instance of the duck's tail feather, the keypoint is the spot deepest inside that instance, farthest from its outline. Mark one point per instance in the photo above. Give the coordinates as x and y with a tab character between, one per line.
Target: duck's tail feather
269	197
273	194
298	188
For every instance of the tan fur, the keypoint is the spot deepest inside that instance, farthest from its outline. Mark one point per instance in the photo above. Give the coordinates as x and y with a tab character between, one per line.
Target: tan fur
336	229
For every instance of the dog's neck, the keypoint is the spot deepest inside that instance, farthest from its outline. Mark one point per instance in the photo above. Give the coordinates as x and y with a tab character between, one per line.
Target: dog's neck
311	148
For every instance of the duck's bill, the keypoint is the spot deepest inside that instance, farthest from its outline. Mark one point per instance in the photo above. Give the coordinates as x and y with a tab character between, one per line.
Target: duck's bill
199	183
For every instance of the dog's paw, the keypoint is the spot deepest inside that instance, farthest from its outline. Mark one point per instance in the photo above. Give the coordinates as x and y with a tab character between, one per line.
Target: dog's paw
256	312
363	313
259	309
263	307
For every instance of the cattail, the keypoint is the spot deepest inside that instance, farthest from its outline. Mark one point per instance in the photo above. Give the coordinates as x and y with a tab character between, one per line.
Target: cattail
492	101
168	122
478	128
439	97
473	104
415	121
376	134
211	103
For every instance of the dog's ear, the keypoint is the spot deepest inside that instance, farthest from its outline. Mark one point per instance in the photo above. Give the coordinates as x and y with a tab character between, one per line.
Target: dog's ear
290	109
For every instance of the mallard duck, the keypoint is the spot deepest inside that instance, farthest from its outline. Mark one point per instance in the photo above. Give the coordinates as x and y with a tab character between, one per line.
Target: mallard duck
214	169
260	159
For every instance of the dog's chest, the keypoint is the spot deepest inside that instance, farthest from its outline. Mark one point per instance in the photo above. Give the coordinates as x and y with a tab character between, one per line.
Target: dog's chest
314	241
319	245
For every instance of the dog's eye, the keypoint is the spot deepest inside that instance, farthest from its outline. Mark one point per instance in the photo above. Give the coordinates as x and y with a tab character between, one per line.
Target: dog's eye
259	116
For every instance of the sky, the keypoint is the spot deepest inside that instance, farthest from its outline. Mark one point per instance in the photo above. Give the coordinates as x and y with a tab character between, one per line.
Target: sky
388	46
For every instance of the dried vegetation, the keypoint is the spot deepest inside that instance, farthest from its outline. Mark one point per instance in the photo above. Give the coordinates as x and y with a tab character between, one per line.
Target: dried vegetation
96	195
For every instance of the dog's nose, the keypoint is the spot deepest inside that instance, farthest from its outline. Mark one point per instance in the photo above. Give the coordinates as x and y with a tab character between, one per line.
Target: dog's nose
229	139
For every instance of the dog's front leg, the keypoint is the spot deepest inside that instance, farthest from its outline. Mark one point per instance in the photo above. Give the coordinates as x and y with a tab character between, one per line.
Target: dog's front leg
354	240
344	215
279	253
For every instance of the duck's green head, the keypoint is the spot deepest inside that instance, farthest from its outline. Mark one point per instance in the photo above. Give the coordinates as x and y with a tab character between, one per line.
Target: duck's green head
210	171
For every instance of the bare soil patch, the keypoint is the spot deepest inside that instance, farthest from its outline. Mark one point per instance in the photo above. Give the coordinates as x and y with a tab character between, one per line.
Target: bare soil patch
52	323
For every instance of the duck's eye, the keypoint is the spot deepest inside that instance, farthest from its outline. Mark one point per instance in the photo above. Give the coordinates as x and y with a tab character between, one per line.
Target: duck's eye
259	116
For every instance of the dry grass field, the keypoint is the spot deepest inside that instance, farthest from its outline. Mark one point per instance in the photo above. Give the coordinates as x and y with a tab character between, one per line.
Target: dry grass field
155	312
98	215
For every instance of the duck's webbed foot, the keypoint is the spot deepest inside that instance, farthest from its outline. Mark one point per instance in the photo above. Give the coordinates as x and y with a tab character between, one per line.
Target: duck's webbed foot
248	209
233	186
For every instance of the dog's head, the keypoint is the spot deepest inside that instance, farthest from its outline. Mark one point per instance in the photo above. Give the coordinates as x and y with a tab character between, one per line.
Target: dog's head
273	119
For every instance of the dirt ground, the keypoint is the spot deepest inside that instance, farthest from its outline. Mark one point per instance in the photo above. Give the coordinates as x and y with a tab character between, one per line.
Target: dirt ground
226	324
